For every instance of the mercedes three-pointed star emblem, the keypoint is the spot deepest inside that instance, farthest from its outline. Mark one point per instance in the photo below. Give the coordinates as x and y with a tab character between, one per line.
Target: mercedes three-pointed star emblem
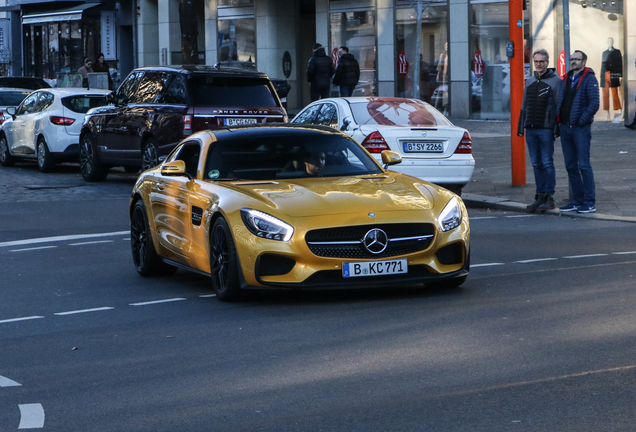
375	241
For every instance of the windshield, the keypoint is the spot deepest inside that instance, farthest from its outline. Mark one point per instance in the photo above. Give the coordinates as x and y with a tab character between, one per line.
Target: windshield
230	92
288	156
397	112
12	98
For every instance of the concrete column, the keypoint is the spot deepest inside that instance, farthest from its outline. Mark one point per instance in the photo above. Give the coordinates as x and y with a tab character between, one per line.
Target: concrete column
169	30
459	55
542	29
322	23
386	57
211	32
147	32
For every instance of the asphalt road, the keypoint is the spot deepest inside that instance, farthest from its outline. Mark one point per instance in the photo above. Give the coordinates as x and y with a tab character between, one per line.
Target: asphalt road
539	338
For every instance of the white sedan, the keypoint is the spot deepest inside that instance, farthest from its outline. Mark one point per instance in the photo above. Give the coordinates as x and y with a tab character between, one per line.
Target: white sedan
432	148
46	126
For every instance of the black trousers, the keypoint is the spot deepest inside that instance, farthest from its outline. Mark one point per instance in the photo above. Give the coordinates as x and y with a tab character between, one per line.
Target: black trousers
318	92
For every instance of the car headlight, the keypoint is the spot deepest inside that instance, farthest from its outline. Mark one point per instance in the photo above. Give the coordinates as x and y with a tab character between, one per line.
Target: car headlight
266	226
451	216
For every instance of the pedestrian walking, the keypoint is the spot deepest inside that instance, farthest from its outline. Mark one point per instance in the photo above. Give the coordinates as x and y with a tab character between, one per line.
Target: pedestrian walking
319	72
102	66
347	72
538	118
578	102
85	70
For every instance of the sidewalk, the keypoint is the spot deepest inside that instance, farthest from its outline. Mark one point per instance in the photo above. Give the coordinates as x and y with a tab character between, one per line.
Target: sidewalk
613	155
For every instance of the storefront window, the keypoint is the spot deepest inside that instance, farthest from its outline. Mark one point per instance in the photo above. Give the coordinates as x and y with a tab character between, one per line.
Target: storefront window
433	59
237	40
356	31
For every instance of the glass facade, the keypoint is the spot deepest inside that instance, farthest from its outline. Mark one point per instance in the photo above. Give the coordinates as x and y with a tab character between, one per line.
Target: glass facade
434	71
237	42
356	30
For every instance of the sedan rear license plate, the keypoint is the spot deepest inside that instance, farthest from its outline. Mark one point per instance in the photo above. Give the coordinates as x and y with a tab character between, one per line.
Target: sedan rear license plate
423	147
374	268
239	121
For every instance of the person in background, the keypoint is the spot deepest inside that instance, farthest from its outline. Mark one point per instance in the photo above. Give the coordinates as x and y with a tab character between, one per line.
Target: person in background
319	72
85	70
347	73
102	66
538	118
578	102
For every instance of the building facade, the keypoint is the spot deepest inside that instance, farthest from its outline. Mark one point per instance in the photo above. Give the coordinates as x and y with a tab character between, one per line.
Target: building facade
451	53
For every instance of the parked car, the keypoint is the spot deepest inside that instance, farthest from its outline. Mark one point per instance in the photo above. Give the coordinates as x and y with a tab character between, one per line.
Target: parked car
30	83
432	148
155	107
294	207
10	97
46	126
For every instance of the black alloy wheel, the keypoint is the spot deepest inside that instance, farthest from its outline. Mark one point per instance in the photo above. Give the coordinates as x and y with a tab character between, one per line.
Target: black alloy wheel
6	160
92	170
223	262
45	158
147	262
150	155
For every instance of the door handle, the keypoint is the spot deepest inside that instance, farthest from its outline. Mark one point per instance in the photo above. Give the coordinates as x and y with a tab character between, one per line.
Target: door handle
161	186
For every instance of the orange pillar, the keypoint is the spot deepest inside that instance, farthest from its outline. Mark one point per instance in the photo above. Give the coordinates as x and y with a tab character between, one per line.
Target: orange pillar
517	84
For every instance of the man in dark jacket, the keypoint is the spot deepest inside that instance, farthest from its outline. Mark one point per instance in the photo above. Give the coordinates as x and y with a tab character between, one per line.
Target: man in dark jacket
319	72
347	72
578	102
538	117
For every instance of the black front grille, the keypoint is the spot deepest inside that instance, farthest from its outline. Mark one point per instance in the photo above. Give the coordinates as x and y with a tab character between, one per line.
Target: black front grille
317	240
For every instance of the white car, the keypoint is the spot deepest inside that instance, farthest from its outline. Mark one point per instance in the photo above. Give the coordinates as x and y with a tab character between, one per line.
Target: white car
46	126
432	148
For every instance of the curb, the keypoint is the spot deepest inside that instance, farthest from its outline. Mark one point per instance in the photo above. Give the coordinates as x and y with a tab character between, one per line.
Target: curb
487	202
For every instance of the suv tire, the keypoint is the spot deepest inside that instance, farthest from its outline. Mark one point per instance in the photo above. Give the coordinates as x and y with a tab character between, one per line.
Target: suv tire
90	166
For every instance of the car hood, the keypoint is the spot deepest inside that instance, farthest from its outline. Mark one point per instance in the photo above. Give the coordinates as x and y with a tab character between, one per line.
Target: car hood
376	193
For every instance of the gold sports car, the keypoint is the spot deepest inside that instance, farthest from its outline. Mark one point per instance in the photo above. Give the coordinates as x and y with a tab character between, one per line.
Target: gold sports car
294	207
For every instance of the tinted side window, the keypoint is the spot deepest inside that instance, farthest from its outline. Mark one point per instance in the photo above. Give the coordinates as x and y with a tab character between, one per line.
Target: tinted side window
189	153
127	88
28	105
217	91
81	104
45	101
328	115
175	91
308	116
150	88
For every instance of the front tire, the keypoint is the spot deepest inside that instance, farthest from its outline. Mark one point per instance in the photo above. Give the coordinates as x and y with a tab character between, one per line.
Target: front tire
224	262
45	158
147	262
6	160
90	166
150	155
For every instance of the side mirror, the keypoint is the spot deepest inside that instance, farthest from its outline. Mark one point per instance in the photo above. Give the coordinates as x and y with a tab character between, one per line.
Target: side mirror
11	111
345	124
174	168
110	98
390	158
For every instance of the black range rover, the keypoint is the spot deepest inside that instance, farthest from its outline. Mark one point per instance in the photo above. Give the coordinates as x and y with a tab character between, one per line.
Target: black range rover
156	107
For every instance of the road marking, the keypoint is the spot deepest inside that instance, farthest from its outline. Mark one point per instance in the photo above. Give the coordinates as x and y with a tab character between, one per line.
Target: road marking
20	319
83	311
156	302
483	217
60	238
623	253
31	416
6	382
92	242
520	216
486	265
536	260
207	295
32	249
584	256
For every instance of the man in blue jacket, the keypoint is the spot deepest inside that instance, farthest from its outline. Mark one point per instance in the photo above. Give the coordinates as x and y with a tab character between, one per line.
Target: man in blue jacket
578	102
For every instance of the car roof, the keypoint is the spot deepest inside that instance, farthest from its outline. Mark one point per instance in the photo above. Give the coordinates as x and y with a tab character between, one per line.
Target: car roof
29	82
72	91
278	129
205	70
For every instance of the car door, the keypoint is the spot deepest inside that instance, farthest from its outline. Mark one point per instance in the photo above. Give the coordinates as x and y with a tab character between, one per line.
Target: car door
169	202
328	115
39	120
20	130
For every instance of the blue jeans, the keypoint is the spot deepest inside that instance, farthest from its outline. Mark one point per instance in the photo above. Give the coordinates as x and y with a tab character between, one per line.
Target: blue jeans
541	150
346	91
576	141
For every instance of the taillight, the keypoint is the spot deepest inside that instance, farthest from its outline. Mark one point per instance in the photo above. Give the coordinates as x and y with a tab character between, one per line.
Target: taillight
1	118
465	145
374	143
187	125
61	121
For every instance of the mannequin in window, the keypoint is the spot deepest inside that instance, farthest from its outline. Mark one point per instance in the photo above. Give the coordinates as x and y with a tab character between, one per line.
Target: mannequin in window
611	74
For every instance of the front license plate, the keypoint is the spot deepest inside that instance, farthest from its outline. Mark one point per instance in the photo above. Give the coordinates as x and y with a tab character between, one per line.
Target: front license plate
239	121
374	268
423	147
